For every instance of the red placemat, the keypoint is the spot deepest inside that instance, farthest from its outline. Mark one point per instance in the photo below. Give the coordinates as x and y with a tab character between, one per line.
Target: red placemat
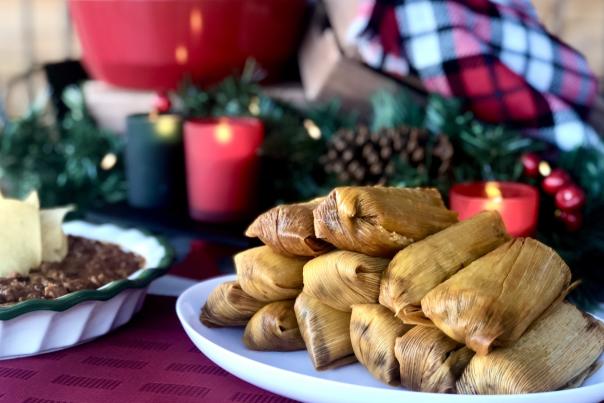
148	360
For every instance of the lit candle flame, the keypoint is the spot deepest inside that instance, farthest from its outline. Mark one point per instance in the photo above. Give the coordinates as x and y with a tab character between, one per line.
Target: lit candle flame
494	194
223	133
166	126
254	106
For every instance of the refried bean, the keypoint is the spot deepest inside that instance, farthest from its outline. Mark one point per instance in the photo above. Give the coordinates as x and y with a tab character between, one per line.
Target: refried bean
88	265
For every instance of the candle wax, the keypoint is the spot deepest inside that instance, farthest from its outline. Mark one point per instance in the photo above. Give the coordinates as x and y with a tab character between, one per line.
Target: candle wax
222	167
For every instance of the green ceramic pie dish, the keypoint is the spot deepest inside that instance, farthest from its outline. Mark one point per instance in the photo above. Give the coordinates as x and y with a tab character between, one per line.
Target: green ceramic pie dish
40	325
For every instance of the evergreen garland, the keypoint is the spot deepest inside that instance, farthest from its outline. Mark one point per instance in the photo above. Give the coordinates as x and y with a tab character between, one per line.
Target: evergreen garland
291	155
70	162
482	152
294	139
66	161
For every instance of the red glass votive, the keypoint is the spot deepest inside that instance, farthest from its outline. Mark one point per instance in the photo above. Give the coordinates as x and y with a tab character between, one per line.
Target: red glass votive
517	203
222	167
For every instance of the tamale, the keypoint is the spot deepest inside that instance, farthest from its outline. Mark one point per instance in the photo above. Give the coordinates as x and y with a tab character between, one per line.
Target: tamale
380	221
229	305
429	360
288	229
556	352
274	328
373	330
326	333
269	276
425	264
342	278
494	299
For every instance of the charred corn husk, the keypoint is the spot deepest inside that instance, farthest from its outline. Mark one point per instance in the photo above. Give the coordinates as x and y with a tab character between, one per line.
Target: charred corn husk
420	267
373	330
380	221
430	361
274	328
288	229
494	300
342	278
269	276
326	333
558	351
229	305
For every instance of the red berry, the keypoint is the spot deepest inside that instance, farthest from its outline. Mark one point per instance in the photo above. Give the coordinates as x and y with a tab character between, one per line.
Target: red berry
530	163
162	103
573	220
570	197
555	181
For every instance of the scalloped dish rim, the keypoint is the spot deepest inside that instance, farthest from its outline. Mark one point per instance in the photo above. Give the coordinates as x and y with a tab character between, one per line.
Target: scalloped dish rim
139	279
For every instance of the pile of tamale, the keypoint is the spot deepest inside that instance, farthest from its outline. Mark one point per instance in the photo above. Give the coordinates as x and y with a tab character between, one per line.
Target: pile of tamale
390	278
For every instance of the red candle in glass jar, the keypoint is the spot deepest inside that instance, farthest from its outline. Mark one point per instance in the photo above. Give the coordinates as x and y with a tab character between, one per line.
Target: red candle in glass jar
222	166
517	203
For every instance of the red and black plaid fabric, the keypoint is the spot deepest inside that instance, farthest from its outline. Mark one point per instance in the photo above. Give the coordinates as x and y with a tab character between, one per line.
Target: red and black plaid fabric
495	55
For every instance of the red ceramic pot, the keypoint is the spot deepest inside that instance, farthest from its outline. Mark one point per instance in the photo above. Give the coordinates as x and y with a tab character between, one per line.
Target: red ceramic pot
155	44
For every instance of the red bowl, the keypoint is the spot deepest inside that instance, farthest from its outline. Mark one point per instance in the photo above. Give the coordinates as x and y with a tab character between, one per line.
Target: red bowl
155	44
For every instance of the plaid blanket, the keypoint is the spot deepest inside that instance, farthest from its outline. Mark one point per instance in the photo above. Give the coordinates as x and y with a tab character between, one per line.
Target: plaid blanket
495	55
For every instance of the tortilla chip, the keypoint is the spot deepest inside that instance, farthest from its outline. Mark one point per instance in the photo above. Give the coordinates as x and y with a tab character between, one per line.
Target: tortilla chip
20	235
54	240
33	200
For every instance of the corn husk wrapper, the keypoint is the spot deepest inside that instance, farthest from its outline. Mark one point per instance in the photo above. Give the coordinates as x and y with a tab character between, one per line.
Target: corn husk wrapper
373	330
558	351
269	276
495	299
54	240
430	361
380	221
274	328
20	235
289	230
229	305
420	267
326	333
342	278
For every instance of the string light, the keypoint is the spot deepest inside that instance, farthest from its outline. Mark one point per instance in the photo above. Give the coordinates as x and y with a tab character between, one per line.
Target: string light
108	161
254	107
312	129
544	168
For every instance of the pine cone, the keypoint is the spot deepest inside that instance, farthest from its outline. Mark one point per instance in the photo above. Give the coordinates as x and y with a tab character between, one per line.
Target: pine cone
360	157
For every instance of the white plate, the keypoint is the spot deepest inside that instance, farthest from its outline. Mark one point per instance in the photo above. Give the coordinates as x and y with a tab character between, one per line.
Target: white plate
39	326
291	374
